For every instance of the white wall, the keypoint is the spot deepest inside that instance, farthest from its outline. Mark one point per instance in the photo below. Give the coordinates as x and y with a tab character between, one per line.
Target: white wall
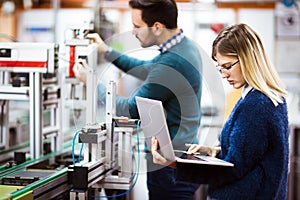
262	21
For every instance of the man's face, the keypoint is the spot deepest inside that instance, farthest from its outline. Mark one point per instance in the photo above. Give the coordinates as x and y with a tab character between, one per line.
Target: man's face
141	30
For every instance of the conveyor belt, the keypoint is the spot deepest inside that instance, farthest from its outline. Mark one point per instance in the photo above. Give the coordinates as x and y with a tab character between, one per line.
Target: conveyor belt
33	179
54	183
43	182
24	178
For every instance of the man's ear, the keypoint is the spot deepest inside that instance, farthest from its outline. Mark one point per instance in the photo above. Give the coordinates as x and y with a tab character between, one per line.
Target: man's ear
158	28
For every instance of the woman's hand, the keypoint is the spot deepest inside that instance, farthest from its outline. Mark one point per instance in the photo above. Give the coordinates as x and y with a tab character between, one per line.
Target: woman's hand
195	148
157	158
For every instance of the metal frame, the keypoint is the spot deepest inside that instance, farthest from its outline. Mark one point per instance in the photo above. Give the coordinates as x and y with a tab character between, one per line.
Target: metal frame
35	59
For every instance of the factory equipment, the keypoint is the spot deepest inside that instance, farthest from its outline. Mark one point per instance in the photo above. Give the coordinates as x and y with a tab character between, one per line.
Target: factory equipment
106	158
107	155
79	48
29	73
38	63
108	161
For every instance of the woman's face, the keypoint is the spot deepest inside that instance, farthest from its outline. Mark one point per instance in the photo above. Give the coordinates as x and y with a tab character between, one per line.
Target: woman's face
230	69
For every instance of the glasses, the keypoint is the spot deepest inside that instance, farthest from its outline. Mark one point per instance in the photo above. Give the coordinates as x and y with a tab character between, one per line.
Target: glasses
226	69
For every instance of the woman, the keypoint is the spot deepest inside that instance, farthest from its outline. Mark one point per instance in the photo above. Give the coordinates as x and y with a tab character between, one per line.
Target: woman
255	136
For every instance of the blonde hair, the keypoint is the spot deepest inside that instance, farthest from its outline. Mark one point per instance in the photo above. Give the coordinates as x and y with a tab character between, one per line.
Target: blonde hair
242	42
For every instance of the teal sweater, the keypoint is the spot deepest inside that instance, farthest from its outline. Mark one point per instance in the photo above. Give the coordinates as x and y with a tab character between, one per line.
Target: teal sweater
255	140
173	77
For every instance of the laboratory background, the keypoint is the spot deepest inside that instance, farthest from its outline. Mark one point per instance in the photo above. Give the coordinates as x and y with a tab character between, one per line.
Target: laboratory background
55	143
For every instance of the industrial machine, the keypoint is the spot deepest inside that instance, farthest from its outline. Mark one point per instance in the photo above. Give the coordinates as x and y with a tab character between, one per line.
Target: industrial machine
108	157
51	166
29	73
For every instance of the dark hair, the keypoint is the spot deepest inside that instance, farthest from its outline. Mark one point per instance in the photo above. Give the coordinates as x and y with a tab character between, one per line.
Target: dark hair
163	11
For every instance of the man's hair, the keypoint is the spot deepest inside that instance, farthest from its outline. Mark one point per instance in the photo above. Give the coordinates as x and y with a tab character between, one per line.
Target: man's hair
163	11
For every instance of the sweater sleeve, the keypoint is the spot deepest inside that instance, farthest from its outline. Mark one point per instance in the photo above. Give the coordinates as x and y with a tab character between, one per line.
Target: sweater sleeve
133	66
156	86
126	106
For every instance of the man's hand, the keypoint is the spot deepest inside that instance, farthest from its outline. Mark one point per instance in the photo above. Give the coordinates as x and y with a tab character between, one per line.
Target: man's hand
80	69
157	158
102	47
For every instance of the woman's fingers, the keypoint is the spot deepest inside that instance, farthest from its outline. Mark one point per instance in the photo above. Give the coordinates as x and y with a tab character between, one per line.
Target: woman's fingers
154	144
193	148
158	159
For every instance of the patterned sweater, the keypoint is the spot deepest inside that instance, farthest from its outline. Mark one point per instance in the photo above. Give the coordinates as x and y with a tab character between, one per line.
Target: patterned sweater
255	140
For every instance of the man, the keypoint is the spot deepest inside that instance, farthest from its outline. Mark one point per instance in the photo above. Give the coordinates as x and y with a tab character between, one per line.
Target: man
173	77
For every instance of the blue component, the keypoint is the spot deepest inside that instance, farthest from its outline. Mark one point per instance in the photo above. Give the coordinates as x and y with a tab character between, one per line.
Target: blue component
288	3
39	29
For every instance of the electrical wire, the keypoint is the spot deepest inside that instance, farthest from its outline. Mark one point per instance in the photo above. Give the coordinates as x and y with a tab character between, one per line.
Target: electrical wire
73	147
135	176
80	153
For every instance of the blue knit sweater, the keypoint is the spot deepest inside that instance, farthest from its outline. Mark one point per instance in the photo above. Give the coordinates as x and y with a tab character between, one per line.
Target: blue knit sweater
173	77
255	140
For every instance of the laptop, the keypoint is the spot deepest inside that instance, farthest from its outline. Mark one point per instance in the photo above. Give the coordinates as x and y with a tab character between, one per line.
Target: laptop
153	123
